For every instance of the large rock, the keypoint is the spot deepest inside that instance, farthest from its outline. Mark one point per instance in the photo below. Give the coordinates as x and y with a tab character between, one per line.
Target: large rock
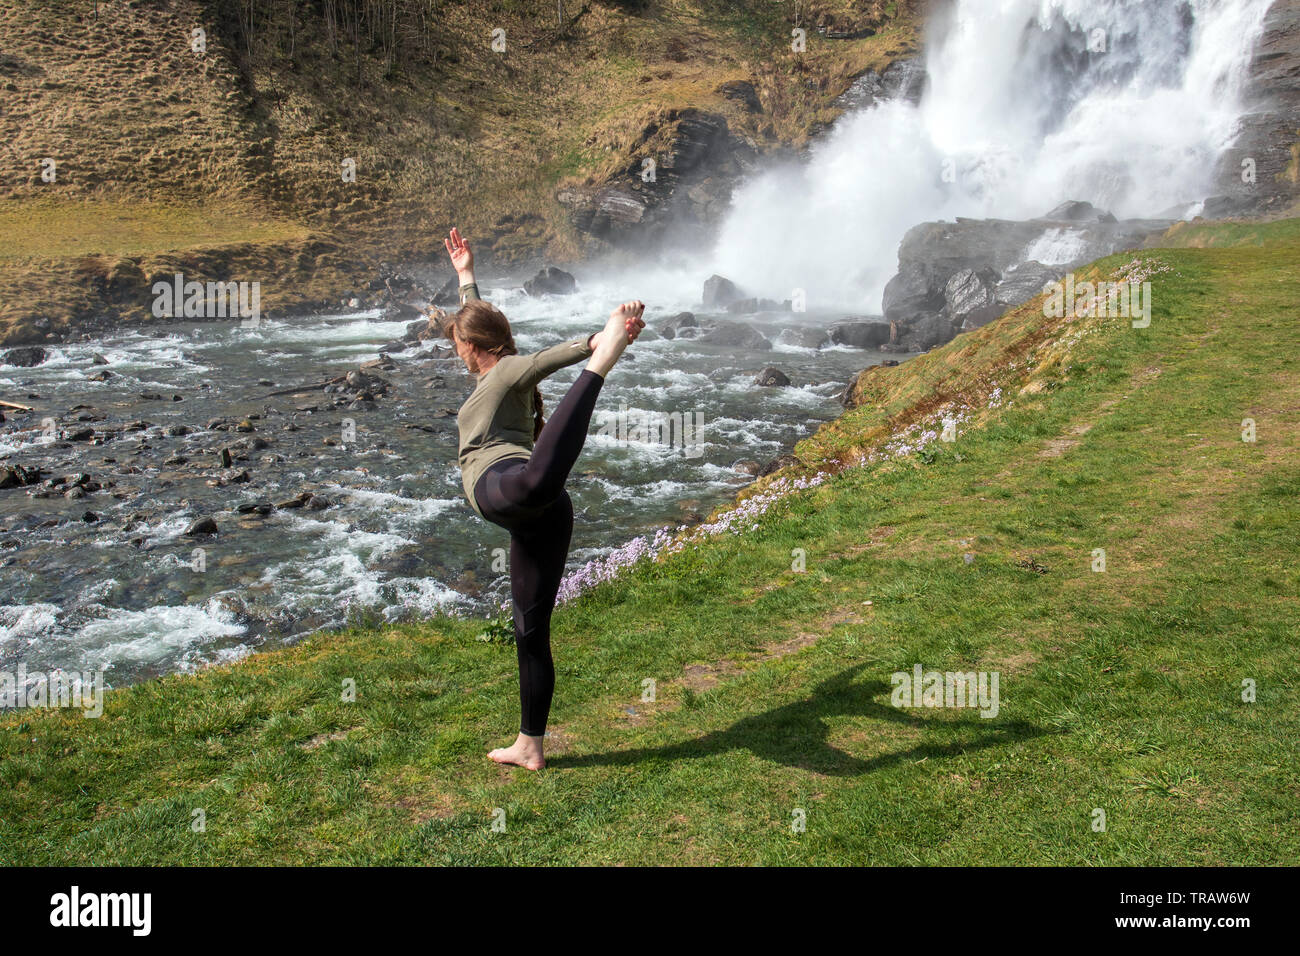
932	253
673	327
685	192
201	526
401	312
914	289
772	377
416	329
28	357
860	334
720	292
1268	127
1074	210
738	335
808	338
18	476
359	381
970	300
753	305
1021	283
551	281
926	332
903	79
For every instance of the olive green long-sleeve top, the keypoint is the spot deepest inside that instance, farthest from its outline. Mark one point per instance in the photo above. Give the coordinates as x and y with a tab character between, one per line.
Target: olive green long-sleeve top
496	420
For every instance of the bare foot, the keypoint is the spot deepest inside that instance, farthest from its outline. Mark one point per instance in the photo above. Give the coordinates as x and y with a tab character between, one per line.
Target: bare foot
525	752
624	325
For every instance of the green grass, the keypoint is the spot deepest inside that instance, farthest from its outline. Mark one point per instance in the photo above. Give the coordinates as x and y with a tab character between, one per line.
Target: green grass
1119	691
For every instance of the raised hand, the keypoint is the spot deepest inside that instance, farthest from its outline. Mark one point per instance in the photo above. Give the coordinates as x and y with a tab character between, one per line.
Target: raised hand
462	259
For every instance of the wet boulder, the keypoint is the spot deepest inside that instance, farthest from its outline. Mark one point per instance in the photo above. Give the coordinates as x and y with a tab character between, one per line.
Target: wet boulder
682	320
401	311
201	526
807	338
415	329
904	79
27	357
859	333
18	476
720	292
911	292
738	335
926	332
358	381
772	377
551	281
931	253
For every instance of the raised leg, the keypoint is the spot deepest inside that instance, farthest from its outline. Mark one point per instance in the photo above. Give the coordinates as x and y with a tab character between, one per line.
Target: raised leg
556	450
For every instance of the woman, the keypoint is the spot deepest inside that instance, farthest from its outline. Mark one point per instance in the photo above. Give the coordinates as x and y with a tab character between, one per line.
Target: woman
514	470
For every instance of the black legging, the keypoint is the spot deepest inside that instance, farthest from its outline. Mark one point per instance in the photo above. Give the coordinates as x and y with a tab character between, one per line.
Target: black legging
526	496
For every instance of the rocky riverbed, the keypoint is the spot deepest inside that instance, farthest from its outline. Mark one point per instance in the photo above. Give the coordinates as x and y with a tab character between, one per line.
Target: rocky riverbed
190	494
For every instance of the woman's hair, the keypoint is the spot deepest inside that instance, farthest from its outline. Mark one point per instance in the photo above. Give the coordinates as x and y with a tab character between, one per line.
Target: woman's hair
483	324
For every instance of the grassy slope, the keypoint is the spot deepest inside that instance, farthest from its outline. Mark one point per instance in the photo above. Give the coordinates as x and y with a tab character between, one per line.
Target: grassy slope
1118	690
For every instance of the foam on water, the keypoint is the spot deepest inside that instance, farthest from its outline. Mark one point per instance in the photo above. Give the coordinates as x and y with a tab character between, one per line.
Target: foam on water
97	637
394	508
1057	247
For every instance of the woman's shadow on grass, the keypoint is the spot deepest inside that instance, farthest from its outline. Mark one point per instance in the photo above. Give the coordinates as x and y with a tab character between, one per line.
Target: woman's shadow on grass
796	734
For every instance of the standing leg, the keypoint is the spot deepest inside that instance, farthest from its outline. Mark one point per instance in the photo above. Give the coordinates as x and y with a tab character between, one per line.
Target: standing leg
538	550
536	568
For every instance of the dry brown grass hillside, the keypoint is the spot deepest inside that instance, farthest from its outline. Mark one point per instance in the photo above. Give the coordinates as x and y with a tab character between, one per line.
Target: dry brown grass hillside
229	159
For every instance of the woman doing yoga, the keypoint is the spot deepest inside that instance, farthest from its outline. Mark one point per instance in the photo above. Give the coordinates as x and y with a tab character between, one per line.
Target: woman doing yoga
514	470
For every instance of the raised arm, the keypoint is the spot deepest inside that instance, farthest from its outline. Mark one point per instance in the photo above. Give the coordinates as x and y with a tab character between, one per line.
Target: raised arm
523	372
463	261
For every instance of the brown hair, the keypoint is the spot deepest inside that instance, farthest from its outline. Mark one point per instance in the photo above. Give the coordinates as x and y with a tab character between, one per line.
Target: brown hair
484	325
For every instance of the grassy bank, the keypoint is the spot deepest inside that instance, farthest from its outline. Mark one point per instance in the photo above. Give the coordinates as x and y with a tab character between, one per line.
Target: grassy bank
1119	690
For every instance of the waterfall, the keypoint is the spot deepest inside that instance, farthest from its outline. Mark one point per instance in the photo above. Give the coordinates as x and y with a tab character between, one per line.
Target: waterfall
1124	103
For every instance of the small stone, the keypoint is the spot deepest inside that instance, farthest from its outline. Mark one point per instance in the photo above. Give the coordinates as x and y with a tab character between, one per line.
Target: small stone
204	525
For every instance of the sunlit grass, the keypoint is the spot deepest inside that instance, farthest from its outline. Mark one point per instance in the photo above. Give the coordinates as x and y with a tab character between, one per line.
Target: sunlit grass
56	229
1121	691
